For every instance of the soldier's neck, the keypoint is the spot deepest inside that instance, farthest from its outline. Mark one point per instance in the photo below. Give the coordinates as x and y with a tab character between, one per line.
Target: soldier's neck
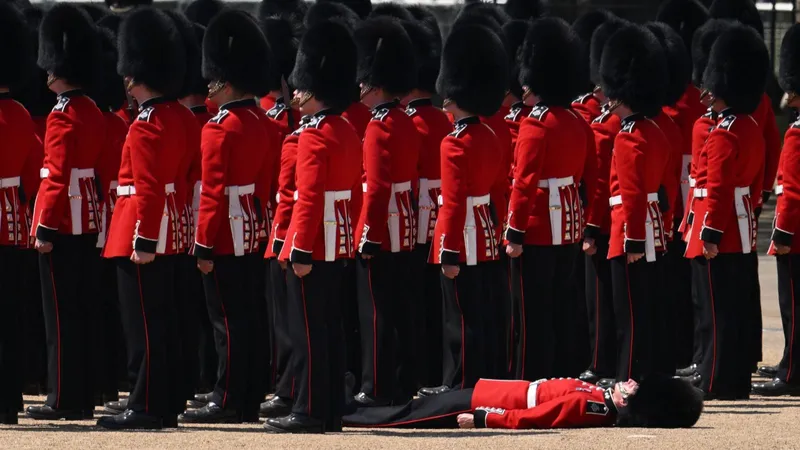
193	100
142	93
416	94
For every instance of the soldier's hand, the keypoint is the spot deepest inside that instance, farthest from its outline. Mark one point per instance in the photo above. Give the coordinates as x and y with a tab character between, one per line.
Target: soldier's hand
205	265
43	247
301	270
589	246
366	256
140	257
710	250
450	271
781	249
466	421
633	257
282	264
513	250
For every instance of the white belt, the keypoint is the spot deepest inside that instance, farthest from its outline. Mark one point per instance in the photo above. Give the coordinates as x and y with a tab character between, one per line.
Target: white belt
701	193
555	203
743	218
198	187
532	389
617	199
237	215
9	182
169	188
75	196
395	240
130	189
426	206
686	179
331	222
44	173
649	229
779	189
692	182
470	234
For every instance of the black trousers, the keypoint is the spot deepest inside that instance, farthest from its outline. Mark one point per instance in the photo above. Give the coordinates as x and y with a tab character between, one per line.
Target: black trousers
108	356
190	302
149	318
264	330
633	297
575	317
231	298
385	310
66	280
352	326
788	298
497	304
11	345
600	307
541	282
436	411
427	319
754	320
315	326
282	376
678	286
32	325
724	286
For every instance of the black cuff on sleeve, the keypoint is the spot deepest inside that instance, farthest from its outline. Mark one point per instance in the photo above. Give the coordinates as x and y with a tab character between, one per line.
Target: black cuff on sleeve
690	218
515	236
145	245
480	418
591	232
300	257
45	234
632	246
710	236
370	248
663	199
203	252
277	246
765	195
450	258
781	237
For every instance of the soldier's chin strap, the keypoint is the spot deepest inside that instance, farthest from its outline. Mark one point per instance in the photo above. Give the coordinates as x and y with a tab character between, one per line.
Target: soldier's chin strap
287	100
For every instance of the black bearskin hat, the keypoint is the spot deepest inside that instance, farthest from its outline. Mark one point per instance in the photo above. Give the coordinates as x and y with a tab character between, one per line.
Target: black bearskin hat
486	14
291	10
391	10
474	70
33	93
514	33
362	8
599	39
703	40
194	57
283	44
744	11
428	20
202	11
678	61
110	22
386	56
549	61
789	74
524	9
121	6
323	11
683	16
95	11
69	46
633	70
326	64
585	26
738	69
111	95
236	51
16	47
151	51
428	52
662	402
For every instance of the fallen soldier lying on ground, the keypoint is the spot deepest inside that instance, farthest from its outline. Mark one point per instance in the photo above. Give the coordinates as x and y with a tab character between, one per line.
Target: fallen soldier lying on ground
658	402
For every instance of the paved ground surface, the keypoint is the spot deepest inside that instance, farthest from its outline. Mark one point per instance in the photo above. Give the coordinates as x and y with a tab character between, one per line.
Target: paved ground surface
758	423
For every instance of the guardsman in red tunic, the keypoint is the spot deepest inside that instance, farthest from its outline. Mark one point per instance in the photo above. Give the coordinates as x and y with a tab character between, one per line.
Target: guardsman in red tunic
723	232
599	299
545	217
386	231
144	235
472	82
514	32
658	402
67	216
638	168
589	105
320	237
18	141
787	223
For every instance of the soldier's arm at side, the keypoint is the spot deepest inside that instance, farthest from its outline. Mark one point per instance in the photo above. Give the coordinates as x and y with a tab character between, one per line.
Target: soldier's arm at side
453	210
598	198
531	148
215	155
630	170
53	190
312	162
787	214
286	188
377	161
721	149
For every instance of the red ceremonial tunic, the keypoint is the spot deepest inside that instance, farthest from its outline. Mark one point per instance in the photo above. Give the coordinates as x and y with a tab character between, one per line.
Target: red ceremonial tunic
588	106
464	230
17	141
501	189
184	186
359	116
672	179
553	403
146	217
518	112
67	201
107	169
765	118
685	113
328	175
697	171
267	185
202	116
391	153
787	212
598	215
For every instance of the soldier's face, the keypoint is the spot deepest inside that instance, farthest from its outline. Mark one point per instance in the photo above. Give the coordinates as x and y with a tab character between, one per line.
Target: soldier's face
623	390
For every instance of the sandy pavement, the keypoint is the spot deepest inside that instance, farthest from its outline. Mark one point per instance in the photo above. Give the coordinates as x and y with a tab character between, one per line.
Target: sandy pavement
758	423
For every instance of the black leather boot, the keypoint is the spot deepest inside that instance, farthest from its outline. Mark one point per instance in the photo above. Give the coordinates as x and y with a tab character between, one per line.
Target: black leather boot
295	423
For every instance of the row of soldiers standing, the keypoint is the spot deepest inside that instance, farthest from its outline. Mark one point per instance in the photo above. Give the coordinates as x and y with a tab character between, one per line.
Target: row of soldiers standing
398	243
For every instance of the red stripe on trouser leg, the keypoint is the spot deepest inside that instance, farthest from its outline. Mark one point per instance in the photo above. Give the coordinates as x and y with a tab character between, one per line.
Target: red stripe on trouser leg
713	330
791	340
58	335
596	319
228	347
146	344
463	341
630	310
308	342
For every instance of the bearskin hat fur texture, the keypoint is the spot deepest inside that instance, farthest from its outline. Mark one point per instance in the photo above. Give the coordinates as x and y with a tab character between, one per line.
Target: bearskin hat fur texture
32	91
194	56
202	11
386	56
738	68
662	402
486	14
514	33
69	46
633	70
110	22
151	51
16	47
428	53
744	11
324	11
549	61
683	16
599	39
585	26
391	10
280	34
95	11
120	6
361	7
678	61
290	10
326	64
474	70
111	95
524	9
789	74
703	40
236	51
